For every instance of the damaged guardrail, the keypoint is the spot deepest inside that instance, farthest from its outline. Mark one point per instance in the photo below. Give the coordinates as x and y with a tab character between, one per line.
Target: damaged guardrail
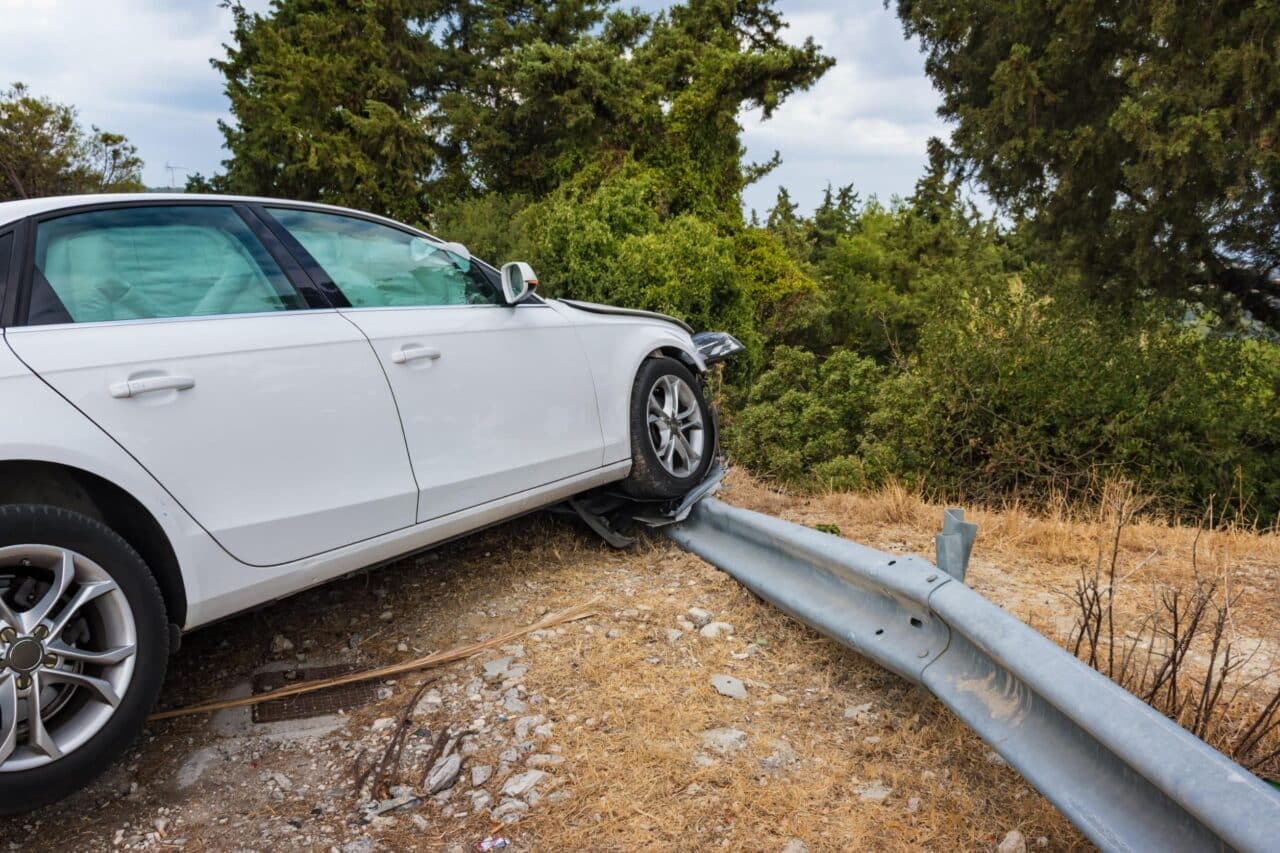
1125	775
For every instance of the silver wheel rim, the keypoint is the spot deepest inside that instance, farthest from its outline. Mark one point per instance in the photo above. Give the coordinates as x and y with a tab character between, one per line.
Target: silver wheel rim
68	646
676	431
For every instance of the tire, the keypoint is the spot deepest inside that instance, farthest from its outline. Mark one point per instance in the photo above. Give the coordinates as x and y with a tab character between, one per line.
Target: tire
659	475
59	544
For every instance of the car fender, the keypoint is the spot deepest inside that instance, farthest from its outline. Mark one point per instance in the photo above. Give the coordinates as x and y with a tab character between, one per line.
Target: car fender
615	346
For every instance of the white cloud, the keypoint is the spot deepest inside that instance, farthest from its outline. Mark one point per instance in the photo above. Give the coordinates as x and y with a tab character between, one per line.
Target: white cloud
141	68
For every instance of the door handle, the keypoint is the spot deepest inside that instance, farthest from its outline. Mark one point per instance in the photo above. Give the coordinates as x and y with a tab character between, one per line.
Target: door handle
134	387
413	352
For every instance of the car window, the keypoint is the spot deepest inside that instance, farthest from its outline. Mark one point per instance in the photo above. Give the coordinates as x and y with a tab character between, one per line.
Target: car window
375	265
149	262
6	246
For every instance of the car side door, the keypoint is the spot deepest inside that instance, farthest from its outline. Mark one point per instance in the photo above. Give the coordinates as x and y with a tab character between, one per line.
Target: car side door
191	341
495	399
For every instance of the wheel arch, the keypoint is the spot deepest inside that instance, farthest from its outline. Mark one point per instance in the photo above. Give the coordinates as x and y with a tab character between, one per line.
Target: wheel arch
78	490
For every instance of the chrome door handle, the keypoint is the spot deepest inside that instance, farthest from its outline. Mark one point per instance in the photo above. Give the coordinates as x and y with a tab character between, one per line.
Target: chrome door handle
413	353
134	387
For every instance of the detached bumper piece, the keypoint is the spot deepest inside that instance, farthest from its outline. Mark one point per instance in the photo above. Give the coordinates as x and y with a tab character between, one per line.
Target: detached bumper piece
609	512
717	346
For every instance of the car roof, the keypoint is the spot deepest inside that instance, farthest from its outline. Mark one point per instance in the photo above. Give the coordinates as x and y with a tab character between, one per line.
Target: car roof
12	211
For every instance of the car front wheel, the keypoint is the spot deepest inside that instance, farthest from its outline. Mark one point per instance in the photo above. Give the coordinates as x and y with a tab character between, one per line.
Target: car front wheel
83	649
673	431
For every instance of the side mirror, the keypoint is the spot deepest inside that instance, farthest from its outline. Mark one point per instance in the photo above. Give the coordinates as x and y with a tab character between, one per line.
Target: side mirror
518	281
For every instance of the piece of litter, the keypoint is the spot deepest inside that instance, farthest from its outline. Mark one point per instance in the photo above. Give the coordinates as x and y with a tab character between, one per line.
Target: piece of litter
493	842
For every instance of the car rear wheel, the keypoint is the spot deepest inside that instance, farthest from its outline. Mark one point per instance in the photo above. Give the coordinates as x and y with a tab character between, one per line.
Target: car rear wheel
83	650
673	431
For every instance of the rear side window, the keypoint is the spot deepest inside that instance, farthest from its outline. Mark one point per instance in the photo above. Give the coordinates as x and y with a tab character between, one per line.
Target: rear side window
375	265
151	262
6	247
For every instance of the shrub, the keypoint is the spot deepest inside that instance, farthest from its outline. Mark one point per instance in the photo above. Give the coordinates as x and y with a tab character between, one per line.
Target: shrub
804	418
1012	392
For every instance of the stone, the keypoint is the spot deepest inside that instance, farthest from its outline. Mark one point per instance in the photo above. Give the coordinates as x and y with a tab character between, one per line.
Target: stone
1013	842
724	741
522	783
509	755
386	616
863	714
496	670
280	644
727	685
703	760
480	773
512	703
524	724
913	805
444	773
795	845
782	757
674	635
613	633
685	624
282	781
382	724
431	701
875	791
480	800
544	759
509	811
716	630
699	617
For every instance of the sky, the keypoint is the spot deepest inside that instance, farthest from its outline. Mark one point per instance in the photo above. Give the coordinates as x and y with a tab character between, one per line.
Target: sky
141	68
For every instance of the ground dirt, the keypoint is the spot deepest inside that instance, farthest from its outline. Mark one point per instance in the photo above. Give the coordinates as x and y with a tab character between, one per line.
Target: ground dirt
606	733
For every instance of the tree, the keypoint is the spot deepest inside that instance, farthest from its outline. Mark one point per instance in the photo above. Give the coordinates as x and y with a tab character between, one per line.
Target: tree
324	97
1141	138
44	151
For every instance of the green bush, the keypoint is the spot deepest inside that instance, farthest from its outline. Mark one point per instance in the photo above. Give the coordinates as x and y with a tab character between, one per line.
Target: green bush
804	419
1012	392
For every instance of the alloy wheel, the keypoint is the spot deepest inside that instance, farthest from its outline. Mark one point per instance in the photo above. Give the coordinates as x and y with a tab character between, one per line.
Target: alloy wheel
676	430
68	644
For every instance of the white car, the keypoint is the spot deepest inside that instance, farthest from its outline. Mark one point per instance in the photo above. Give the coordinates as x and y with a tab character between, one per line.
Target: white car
211	402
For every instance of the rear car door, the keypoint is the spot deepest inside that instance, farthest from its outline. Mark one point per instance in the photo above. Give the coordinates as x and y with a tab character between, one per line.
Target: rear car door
177	330
495	399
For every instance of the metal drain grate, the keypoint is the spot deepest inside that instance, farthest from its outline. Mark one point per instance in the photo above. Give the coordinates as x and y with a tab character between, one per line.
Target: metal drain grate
317	704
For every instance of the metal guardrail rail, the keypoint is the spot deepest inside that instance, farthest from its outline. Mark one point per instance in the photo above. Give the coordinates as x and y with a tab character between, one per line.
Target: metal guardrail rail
1126	776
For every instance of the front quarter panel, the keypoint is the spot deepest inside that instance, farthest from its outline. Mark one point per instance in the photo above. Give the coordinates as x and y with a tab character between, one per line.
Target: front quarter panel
615	347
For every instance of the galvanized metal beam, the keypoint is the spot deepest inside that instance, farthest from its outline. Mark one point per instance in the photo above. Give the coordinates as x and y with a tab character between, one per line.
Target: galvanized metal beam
1126	776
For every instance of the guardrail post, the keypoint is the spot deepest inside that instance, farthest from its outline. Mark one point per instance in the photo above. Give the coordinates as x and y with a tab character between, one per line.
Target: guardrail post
955	543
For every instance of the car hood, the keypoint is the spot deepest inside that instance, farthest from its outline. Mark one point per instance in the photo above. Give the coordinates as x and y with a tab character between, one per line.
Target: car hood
595	308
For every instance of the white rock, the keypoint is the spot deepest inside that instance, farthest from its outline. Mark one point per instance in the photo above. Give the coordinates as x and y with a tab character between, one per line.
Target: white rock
686	624
430	701
280	644
875	791
512	703
699	617
727	685
715	630
795	845
509	811
522	783
382	724
778	699
444	773
724	741
544	759
913	805
613	633
674	635
480	800
496	670
861	714
386	616
1013	842
480	774
524	724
